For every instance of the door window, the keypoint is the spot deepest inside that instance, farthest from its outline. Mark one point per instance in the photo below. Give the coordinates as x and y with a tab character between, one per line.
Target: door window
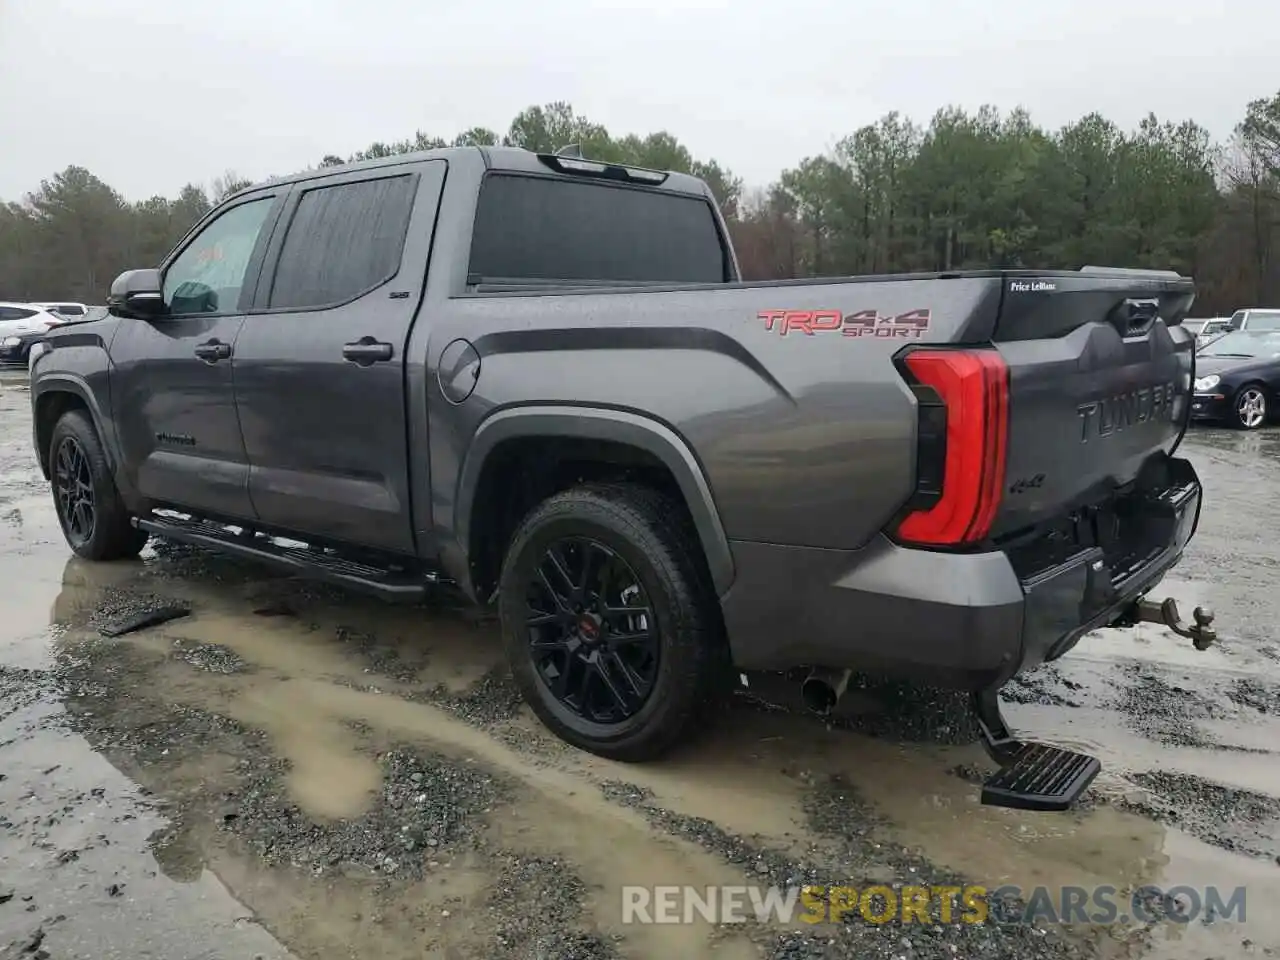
208	275
343	241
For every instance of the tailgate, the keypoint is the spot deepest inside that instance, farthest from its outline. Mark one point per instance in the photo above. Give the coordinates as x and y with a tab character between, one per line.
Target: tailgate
1100	374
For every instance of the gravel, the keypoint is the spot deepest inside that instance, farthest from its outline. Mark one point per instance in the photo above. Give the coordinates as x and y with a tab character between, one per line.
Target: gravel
213	657
1163	711
1256	695
19	688
493	700
1232	818
1045	686
118	604
429	806
431	813
382	659
549	895
854	853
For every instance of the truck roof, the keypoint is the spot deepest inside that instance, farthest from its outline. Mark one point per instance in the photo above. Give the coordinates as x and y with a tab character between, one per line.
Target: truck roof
513	159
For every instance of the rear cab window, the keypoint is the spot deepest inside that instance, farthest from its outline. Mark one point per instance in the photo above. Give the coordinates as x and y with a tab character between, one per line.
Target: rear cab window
534	229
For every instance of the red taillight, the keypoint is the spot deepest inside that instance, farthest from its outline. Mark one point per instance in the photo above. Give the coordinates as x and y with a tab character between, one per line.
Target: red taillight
974	388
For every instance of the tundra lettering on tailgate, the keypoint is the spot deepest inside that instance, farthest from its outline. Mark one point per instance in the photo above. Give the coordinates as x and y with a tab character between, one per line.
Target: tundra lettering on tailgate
1108	415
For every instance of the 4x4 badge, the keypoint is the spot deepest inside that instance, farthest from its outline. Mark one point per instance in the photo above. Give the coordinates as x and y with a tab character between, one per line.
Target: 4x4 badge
865	323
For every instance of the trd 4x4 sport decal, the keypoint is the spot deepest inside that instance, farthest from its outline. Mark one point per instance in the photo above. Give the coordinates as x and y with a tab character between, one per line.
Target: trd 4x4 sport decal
865	323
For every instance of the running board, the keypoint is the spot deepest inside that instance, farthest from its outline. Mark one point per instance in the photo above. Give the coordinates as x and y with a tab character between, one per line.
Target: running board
397	584
1032	776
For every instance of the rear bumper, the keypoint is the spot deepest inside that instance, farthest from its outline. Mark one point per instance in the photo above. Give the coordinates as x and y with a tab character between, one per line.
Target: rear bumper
965	621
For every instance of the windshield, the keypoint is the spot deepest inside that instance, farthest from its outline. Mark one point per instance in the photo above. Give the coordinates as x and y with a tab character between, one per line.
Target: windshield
1243	344
1263	320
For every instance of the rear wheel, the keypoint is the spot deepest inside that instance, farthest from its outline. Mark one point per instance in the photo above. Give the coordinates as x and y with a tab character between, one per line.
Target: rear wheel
94	520
609	626
1251	409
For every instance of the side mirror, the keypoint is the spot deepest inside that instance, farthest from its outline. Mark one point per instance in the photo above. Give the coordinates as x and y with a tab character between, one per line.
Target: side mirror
138	294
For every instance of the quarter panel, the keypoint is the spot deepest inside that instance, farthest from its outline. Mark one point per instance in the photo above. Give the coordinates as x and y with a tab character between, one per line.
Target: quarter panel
805	438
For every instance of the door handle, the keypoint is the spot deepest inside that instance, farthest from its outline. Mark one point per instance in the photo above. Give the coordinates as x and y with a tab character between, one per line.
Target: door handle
213	350
367	350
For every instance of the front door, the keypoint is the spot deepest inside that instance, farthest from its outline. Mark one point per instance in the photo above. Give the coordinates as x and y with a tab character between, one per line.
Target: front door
171	384
320	362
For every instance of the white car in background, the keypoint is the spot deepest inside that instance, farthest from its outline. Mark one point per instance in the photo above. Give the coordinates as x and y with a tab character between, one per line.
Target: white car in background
21	325
1211	330
65	308
1256	320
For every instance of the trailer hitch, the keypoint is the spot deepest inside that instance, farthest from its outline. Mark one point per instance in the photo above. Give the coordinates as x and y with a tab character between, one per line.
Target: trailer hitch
1201	634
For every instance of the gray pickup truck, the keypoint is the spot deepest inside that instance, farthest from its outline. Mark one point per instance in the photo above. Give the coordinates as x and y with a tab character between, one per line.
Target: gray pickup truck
540	379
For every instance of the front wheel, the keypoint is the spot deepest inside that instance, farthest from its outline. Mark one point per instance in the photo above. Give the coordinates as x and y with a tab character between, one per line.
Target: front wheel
1251	406
611	632
94	520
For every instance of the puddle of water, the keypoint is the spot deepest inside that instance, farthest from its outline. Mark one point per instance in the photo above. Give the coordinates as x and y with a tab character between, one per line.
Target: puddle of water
1188	862
78	861
749	779
1096	732
611	848
329	775
560	814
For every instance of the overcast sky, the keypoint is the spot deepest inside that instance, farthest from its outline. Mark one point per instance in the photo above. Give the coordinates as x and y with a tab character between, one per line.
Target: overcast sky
152	94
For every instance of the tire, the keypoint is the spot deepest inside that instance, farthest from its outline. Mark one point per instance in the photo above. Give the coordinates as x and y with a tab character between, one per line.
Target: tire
1250	407
78	473
669	682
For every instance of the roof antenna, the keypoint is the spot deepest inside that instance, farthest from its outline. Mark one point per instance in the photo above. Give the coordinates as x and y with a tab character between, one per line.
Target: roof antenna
573	150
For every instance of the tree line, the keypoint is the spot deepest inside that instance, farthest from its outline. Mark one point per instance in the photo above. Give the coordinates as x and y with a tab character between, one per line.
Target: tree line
968	190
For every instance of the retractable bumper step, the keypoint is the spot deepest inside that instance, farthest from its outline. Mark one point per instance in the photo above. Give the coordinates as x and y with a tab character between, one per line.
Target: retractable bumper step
396	584
1032	776
1041	778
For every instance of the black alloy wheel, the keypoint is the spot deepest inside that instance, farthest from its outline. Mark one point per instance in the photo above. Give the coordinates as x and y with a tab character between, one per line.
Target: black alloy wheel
93	517
73	488
591	630
609	621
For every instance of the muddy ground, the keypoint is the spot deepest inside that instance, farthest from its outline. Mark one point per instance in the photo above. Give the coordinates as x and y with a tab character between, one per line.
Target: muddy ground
291	771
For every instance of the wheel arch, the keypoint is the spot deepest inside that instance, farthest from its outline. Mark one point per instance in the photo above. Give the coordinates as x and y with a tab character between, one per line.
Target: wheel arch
573	435
54	395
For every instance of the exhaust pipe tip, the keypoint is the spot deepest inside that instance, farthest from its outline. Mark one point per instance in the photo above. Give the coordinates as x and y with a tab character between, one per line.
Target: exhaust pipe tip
818	695
822	689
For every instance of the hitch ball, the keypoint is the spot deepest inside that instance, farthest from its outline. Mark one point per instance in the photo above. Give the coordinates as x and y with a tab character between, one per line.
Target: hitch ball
1201	633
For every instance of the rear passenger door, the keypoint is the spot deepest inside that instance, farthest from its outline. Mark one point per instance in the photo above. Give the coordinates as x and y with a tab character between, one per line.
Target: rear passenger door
320	364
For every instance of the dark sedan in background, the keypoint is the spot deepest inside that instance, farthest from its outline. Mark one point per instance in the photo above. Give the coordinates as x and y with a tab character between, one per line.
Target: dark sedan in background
1238	379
